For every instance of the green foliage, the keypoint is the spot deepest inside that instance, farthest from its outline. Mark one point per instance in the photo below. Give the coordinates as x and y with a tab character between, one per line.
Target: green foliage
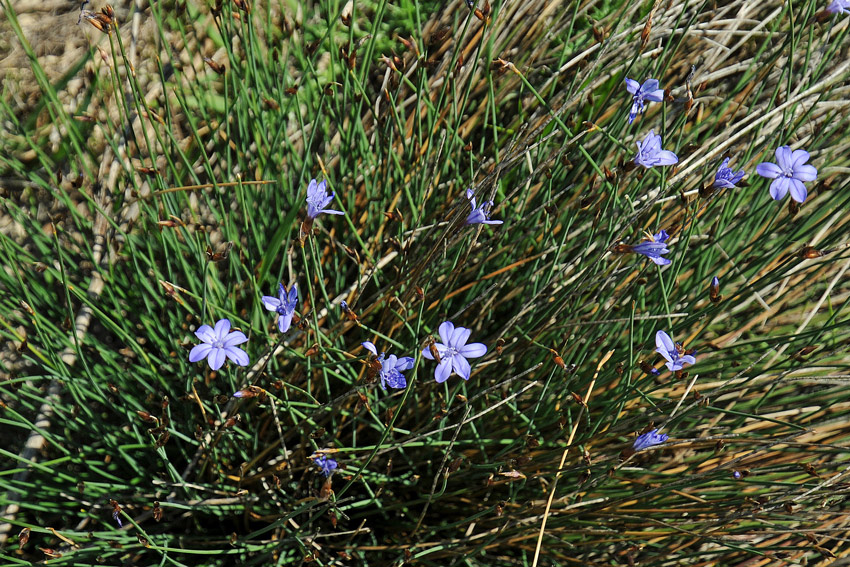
165	194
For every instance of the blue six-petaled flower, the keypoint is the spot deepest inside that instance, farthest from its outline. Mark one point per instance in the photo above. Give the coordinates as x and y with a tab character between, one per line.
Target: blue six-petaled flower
726	178
654	248
481	213
650	153
647	91
219	343
649	439
454	351
318	198
788	173
391	367
673	353
327	465
284	306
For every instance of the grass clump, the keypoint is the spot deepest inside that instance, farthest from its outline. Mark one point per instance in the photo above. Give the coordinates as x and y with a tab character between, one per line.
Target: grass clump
158	184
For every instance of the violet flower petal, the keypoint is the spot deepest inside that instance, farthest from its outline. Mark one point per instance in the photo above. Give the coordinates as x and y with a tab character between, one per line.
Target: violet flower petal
461	366
769	170
473	350
459	337
664	344
234	338
237	355
779	188
222	328
405	363
284	322
216	358
444	370
200	352
805	173
445	330
798	158
798	190
205	333
396	381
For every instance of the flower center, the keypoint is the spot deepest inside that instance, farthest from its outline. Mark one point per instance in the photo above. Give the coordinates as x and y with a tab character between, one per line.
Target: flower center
218	343
450	352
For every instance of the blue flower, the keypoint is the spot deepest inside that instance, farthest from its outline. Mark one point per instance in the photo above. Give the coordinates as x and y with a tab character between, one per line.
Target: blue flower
218	343
454	351
674	353
327	465
725	178
839	7
649	439
789	174
284	306
654	248
391	367
480	214
650	153
318	199
647	91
